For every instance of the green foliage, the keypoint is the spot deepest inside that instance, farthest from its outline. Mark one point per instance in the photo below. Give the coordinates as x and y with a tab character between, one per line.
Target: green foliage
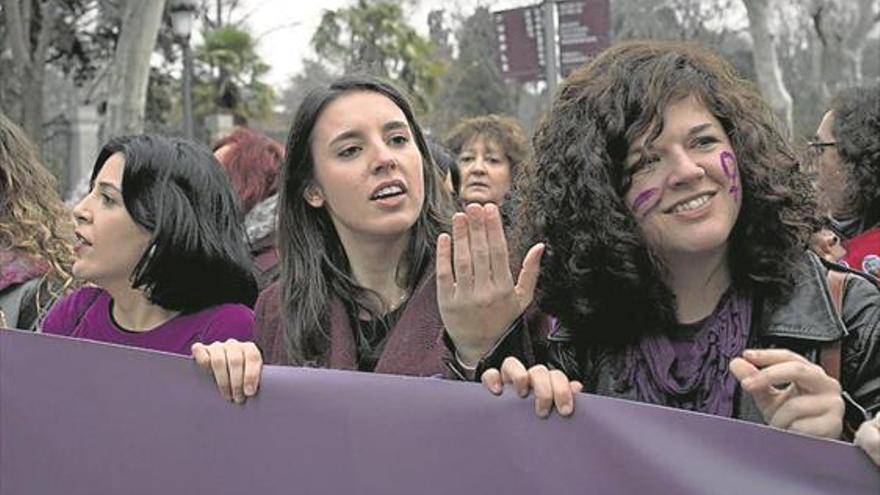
228	74
314	74
374	37
162	91
473	84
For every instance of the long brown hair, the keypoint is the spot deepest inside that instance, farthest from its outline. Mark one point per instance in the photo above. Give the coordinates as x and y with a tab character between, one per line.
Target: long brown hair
314	266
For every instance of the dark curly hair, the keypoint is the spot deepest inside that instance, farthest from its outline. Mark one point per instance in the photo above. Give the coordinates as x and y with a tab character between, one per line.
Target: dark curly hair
856	129
599	274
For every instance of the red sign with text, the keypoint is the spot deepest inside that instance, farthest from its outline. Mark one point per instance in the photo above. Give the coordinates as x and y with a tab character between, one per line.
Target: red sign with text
519	35
584	29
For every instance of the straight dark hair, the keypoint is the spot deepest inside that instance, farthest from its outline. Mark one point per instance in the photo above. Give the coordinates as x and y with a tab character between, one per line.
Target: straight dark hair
314	266
197	255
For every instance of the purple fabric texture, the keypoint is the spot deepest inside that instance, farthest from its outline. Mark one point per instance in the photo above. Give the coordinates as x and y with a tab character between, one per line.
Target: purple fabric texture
79	417
85	314
414	345
17	268
693	374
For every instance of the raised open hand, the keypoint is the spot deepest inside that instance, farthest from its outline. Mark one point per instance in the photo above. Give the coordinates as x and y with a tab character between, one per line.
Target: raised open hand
475	292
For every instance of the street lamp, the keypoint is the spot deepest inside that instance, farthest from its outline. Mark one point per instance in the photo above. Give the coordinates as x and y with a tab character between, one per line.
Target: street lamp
182	14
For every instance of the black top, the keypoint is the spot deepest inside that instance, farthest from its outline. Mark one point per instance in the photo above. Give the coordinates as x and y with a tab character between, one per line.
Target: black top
371	335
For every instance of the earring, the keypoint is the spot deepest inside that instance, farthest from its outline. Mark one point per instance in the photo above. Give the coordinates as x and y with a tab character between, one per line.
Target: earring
313	196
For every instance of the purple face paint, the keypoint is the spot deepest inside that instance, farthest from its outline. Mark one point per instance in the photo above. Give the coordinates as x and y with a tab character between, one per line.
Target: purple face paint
728	164
642	199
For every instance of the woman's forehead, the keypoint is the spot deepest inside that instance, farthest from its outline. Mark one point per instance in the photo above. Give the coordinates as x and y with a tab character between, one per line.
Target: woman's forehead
484	140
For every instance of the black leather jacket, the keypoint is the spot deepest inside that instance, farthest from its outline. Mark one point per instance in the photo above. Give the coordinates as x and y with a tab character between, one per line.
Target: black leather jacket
805	323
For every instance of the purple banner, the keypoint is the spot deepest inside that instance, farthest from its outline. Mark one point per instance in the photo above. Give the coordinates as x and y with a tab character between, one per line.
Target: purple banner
83	418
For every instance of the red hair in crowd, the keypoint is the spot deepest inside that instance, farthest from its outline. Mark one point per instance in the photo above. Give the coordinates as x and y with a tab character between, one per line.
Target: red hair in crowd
253	163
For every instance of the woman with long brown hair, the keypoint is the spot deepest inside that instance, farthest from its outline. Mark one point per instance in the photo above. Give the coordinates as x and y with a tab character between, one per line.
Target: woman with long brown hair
361	228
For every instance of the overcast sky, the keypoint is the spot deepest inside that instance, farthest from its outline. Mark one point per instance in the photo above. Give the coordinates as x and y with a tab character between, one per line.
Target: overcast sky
284	27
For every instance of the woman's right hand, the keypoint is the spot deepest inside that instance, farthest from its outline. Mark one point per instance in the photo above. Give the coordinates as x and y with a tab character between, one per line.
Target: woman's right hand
476	295
236	367
552	387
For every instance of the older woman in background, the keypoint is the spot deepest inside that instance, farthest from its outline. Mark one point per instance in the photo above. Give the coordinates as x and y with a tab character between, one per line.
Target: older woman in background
489	148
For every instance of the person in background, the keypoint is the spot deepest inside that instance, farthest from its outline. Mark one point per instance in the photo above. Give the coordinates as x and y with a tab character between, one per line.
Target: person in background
675	218
446	164
362	218
160	239
846	156
253	163
489	151
36	233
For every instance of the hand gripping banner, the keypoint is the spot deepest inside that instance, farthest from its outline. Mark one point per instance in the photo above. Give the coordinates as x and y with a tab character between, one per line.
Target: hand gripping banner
78	417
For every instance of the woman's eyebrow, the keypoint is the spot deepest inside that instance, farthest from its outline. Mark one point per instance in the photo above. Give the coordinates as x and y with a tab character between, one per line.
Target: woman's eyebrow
109	186
699	128
354	133
394	125
351	133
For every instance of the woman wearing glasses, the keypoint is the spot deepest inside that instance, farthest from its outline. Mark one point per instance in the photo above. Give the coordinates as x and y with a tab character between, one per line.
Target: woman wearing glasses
847	151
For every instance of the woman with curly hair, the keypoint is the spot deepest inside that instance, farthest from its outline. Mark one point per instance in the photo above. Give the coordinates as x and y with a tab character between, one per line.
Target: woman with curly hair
675	220
846	153
36	233
490	149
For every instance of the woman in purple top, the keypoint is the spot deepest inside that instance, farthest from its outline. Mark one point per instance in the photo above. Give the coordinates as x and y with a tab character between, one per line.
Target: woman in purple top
159	237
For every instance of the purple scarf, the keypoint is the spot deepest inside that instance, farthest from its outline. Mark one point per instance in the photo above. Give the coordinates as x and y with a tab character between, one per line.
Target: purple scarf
693	374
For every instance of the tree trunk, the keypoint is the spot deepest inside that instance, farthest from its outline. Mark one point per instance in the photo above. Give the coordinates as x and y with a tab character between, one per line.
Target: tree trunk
29	60
767	67
841	29
126	103
868	16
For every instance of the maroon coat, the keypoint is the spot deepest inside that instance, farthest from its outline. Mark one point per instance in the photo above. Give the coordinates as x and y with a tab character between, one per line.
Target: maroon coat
265	258
414	347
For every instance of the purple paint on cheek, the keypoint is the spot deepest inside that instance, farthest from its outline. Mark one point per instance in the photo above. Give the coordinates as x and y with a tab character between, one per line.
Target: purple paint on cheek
644	197
728	164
